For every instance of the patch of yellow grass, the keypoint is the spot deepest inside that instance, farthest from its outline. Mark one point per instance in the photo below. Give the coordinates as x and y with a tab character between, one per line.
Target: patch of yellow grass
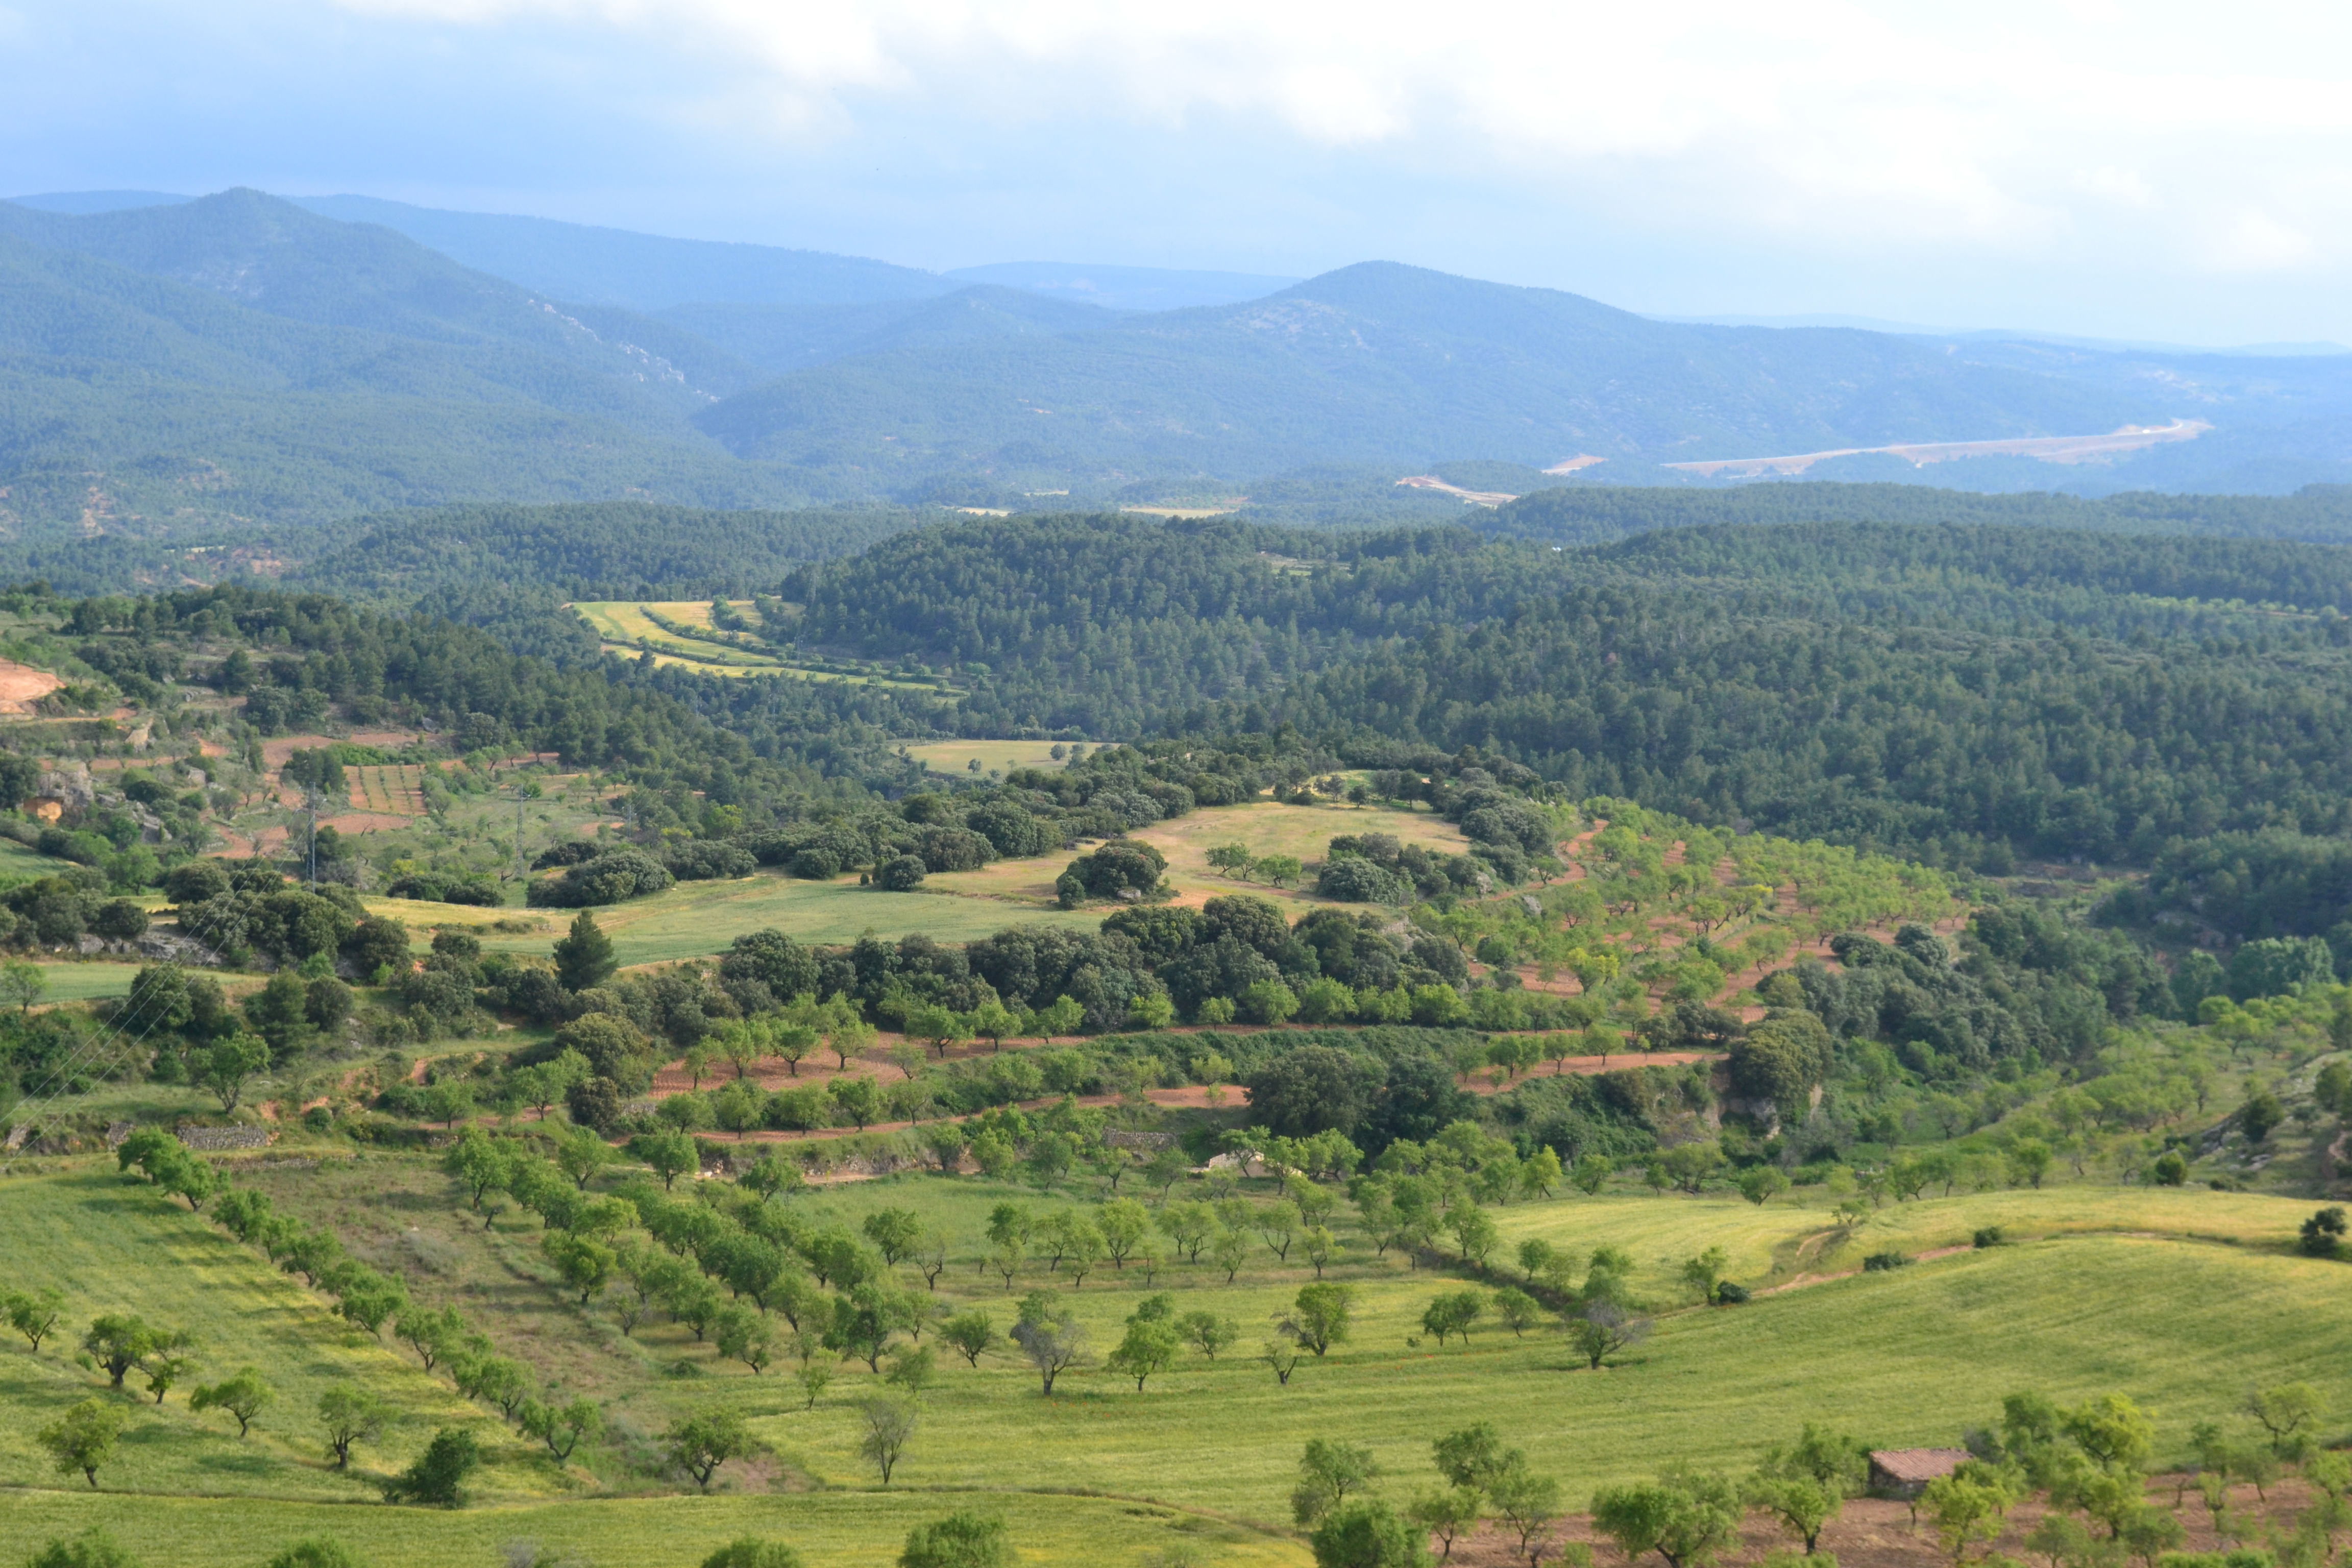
1270	828
629	631
1003	756
1797	1235
1265	825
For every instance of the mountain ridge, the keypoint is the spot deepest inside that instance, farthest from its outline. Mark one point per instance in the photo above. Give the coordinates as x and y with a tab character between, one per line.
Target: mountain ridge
1426	365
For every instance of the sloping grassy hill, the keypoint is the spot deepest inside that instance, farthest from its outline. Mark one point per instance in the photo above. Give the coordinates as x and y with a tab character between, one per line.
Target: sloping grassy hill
114	1247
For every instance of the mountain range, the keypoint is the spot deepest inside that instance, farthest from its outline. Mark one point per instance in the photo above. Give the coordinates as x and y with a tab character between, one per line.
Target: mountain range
209	363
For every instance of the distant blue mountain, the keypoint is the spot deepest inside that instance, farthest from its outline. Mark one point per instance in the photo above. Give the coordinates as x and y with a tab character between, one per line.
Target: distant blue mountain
1126	287
1381	362
780	339
82	203
239	356
640	271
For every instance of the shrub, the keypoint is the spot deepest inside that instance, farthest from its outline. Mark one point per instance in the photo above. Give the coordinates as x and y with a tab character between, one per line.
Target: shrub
438	1476
1353	880
1122	868
901	874
1015	833
1877	1262
120	919
703	860
477	892
1727	1294
1990	1236
750	1551
964	1539
955	849
316	1552
1368	1535
91	1549
615	875
814	866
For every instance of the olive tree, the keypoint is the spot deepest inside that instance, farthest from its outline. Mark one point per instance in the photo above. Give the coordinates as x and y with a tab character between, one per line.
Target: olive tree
83	1439
245	1397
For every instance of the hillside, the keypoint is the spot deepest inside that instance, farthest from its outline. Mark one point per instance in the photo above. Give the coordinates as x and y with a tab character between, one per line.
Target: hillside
1483	1023
237	357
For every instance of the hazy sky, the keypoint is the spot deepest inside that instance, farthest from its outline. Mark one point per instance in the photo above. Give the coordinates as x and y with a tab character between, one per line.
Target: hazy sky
2153	170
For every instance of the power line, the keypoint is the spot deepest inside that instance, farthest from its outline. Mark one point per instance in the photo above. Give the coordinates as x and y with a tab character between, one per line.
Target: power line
62	1074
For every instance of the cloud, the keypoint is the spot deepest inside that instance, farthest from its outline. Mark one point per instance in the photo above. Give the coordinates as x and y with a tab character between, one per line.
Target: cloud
2086	165
2001	126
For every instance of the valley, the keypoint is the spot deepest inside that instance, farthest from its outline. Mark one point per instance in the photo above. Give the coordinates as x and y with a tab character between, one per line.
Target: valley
665	903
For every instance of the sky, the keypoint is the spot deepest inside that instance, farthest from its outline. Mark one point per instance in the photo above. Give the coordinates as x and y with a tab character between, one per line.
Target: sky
2155	171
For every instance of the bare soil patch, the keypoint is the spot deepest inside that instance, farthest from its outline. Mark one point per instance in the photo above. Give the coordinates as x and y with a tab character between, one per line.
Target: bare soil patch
22	687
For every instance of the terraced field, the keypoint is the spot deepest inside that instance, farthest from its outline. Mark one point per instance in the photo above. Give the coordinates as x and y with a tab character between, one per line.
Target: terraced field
396	790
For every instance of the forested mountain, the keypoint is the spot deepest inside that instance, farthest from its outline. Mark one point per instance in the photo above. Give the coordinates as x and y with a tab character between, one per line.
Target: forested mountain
241	358
1396	363
355	279
606	549
238	357
2265	593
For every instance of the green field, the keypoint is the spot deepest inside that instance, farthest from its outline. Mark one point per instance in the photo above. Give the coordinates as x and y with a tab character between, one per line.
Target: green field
1000	756
111	1247
695	919
2180	1298
836	1529
23	860
2144	1307
85	982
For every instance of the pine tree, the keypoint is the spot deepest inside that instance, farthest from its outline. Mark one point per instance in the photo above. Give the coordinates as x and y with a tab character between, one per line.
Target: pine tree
585	959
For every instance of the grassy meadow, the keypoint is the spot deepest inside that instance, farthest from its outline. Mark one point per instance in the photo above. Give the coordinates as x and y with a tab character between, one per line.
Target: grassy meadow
71	981
2179	1297
697	920
994	756
112	1247
1266	827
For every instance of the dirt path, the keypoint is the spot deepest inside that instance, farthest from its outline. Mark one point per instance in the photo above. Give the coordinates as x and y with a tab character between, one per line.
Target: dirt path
2048	448
1803	1281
